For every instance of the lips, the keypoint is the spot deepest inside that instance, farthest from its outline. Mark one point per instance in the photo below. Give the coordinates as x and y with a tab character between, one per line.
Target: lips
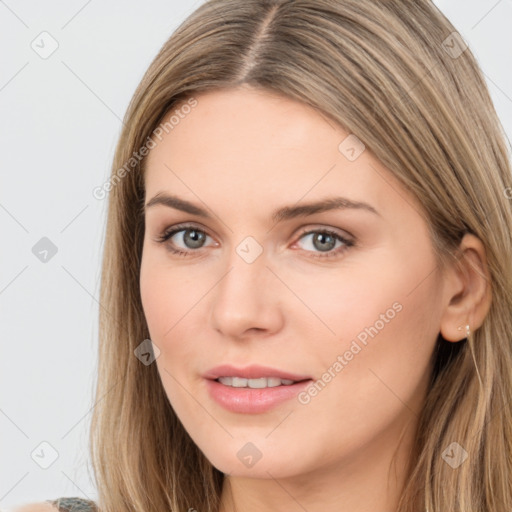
252	401
252	372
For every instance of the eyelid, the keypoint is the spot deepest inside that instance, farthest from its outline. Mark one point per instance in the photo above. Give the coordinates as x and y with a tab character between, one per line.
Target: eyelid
322	227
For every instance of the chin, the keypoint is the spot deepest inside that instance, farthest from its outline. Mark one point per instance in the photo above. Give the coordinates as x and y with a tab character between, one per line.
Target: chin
254	459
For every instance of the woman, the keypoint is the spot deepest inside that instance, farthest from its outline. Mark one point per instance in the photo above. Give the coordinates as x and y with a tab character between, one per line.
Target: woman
315	193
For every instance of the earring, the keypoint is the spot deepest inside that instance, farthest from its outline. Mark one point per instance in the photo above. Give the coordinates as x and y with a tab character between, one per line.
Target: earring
468	331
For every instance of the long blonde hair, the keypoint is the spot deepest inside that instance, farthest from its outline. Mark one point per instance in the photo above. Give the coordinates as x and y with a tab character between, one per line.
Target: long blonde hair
398	76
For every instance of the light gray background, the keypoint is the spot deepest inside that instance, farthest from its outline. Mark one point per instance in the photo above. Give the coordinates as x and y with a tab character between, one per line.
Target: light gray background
59	123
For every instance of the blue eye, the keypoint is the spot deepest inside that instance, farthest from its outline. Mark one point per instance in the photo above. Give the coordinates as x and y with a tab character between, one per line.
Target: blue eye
323	241
191	235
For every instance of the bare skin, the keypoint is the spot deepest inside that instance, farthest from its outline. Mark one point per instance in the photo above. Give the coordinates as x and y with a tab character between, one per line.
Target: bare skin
241	154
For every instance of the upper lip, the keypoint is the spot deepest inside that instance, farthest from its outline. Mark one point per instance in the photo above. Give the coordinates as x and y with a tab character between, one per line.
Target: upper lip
253	371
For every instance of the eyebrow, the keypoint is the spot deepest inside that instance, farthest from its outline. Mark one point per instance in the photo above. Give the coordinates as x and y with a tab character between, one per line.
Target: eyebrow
279	215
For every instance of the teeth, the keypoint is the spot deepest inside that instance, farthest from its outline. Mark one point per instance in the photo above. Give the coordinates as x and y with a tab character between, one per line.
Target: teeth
264	382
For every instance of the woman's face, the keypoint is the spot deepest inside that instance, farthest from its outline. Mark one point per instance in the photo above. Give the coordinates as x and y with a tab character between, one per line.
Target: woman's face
349	298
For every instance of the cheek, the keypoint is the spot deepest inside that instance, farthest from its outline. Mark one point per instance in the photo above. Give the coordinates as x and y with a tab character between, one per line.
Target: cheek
380	316
166	296
166	303
376	294
156	300
172	302
339	303
373	373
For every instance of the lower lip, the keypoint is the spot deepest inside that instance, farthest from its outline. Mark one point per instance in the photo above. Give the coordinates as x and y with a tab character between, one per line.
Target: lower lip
252	400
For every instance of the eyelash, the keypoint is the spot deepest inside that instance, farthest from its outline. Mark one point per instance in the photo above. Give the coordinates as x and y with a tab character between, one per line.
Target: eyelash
166	235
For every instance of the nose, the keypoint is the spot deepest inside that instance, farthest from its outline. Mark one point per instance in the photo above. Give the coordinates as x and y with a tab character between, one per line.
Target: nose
247	299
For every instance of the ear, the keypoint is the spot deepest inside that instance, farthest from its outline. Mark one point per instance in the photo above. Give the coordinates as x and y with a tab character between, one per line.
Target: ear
467	290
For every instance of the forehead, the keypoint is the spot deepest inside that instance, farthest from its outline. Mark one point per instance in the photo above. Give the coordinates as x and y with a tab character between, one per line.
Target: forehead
239	120
251	147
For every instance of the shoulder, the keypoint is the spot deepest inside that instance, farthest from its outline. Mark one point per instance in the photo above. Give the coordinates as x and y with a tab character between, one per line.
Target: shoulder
60	504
